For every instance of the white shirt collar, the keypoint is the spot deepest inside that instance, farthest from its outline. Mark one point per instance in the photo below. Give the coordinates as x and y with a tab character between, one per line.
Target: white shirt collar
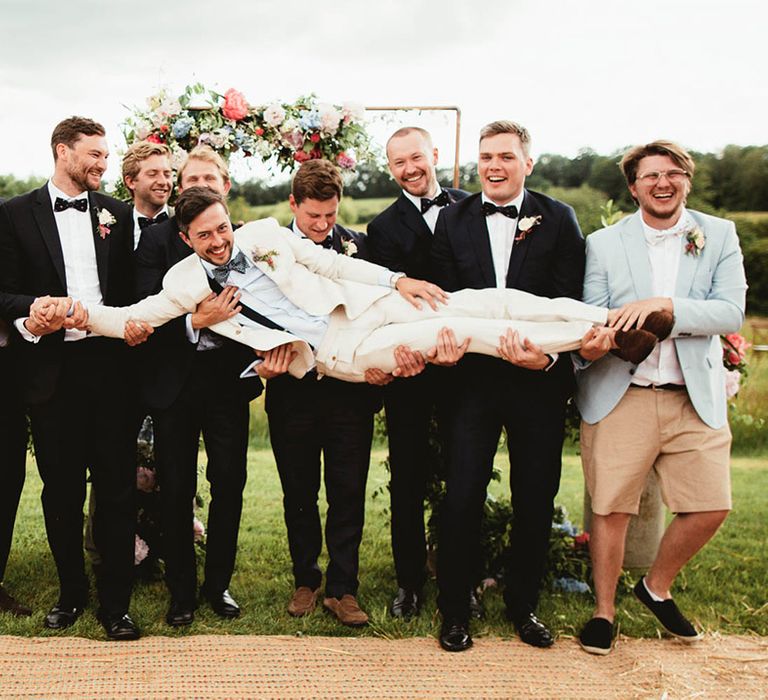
54	192
681	226
517	201
416	201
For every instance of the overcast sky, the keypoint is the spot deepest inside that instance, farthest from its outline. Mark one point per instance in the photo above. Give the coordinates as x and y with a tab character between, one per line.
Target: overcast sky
590	73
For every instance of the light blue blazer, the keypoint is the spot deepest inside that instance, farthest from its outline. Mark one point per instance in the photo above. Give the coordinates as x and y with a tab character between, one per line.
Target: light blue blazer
709	300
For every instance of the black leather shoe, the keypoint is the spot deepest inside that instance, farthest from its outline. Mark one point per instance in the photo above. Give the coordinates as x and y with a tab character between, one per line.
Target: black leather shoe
407	604
9	604
180	614
533	631
454	635
119	627
476	608
223	604
62	616
668	614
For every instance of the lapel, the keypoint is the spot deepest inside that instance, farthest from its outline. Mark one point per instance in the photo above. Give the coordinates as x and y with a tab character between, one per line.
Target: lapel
411	218
481	242
636	252
686	269
337	236
101	243
520	249
46	222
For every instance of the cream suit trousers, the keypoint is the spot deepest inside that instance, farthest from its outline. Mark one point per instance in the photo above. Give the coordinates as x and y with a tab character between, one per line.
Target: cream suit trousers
351	346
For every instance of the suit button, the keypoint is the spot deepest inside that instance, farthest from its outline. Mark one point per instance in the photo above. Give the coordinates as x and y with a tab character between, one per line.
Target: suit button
632	371
334	357
238	332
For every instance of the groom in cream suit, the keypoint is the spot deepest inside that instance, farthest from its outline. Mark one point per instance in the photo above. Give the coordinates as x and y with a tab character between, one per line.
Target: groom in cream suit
667	413
334	312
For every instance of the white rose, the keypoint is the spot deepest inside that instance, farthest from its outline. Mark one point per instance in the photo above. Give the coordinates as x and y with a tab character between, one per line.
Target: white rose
274	115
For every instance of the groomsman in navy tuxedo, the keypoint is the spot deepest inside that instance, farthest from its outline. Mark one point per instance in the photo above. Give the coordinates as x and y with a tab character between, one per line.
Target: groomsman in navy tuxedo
308	418
400	238
13	437
68	240
505	236
190	381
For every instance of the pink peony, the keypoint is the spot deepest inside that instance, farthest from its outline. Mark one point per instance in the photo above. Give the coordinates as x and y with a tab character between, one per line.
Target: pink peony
345	161
140	551
235	107
145	479
198	529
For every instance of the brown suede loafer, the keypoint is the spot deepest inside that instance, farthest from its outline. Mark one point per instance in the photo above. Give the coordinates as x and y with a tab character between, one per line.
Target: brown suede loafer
634	345
346	610
660	323
303	601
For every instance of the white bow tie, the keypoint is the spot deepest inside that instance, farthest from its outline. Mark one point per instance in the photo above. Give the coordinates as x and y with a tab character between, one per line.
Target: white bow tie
656	237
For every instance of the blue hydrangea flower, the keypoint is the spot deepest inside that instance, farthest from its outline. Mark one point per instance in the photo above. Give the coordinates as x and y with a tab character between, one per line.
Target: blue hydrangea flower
567	527
182	127
309	119
570	585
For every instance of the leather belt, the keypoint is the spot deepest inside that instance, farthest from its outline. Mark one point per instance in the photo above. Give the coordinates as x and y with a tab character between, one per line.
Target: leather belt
661	387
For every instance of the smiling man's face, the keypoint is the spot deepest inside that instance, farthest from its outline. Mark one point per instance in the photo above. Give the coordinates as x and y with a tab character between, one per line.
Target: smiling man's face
503	166
661	202
412	160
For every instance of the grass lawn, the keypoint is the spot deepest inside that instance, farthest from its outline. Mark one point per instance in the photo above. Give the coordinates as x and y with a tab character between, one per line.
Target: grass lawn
723	589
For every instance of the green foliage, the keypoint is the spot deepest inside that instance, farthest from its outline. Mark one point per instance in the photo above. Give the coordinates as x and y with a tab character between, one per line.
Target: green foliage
11	186
756	266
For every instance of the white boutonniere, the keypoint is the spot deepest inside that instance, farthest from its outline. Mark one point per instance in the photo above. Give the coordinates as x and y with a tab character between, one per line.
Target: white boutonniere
348	247
265	256
525	226
695	241
105	219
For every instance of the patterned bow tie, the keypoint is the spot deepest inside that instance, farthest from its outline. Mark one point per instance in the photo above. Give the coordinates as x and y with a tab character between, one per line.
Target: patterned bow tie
237	264
442	200
64	204
145	221
509	211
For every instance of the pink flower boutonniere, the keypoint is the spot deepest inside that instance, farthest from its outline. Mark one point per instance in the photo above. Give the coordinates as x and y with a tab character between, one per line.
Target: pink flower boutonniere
695	241
349	247
525	226
105	219
265	256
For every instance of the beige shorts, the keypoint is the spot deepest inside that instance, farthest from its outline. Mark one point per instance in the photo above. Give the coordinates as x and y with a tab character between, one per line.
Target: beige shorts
660	430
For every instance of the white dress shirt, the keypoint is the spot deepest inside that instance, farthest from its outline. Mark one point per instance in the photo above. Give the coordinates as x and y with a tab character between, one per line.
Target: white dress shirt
501	233
430	216
664	249
77	247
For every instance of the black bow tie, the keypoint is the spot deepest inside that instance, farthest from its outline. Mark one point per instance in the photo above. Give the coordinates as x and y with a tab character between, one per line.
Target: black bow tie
442	200
239	264
509	211
145	221
327	242
64	204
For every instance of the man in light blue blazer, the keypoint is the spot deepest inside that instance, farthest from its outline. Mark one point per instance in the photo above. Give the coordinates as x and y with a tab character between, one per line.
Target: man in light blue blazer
669	412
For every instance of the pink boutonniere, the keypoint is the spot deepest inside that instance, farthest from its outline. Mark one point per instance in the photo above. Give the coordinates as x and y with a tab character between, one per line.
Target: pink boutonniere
105	219
695	241
525	226
265	256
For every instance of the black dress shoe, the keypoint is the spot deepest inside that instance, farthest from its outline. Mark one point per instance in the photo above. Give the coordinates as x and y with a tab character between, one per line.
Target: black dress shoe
454	635
62	616
119	627
533	631
407	604
180	614
9	604
223	604
476	608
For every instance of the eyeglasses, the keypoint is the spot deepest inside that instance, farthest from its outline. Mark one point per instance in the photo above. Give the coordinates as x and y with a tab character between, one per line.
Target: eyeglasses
653	176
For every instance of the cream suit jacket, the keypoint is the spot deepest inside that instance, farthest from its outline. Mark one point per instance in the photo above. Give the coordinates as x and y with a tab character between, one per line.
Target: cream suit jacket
316	280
